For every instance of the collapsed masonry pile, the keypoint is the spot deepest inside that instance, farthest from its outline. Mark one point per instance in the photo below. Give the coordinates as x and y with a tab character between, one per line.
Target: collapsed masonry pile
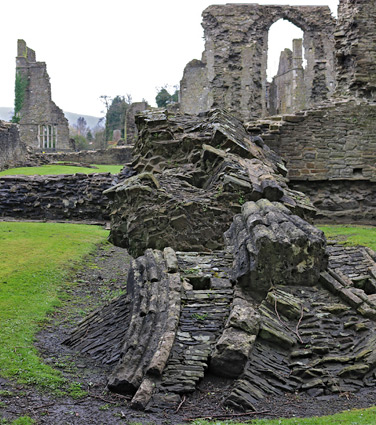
194	173
259	305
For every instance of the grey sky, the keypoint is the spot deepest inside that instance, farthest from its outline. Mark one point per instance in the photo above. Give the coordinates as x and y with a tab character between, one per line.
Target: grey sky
95	48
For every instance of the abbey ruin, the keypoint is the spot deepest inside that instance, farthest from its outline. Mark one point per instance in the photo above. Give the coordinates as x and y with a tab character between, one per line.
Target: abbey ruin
42	124
229	275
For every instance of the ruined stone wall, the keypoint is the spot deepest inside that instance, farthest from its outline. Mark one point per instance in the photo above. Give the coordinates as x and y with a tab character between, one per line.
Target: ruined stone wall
64	197
42	124
336	141
342	201
355	39
236	55
12	150
114	155
130	122
331	155
287	91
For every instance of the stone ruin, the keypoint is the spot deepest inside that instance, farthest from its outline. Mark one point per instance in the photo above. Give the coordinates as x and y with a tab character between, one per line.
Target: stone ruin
12	150
325	130
228	277
130	122
286	93
42	124
232	71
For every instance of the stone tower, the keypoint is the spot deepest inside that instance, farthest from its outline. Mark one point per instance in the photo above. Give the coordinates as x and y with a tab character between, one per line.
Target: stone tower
42	123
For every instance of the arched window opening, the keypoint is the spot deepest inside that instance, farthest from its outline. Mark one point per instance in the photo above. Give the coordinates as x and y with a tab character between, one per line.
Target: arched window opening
285	86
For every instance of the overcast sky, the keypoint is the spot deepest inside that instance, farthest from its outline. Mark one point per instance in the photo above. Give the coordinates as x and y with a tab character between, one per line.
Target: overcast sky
96	47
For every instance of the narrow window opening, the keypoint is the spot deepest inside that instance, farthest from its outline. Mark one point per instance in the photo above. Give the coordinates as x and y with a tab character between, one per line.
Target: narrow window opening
285	85
47	136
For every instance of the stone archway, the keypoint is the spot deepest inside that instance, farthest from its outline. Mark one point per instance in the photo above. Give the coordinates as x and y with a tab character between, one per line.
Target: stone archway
235	55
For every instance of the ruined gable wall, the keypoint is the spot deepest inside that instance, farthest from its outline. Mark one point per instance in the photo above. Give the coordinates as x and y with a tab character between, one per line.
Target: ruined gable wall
236	53
37	107
130	123
12	151
194	88
355	39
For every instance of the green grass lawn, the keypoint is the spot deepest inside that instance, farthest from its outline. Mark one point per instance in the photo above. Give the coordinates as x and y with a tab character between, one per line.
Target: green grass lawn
352	235
36	262
352	417
56	169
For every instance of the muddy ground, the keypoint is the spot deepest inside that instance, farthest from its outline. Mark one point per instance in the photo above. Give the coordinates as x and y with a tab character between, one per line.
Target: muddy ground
103	277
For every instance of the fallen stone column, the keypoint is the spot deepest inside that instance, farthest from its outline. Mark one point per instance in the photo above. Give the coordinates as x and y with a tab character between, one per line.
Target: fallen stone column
272	246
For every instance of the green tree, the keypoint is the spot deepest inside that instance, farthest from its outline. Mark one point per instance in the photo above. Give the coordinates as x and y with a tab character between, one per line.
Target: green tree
80	142
163	97
115	117
175	96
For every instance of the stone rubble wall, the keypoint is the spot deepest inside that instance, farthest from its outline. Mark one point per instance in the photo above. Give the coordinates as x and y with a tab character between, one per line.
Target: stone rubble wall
110	156
12	150
355	42
186	313
63	197
194	173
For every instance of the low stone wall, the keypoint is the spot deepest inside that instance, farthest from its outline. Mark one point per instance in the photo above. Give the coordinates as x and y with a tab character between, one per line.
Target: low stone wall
12	151
116	155
341	201
63	197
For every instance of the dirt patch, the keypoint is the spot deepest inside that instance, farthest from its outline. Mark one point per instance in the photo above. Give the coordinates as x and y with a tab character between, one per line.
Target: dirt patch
103	277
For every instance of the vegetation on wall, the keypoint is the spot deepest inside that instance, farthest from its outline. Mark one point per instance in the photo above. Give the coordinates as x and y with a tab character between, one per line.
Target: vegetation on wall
19	98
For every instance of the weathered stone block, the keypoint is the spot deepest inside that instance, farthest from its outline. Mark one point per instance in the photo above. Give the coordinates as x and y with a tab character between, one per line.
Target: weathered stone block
231	352
272	246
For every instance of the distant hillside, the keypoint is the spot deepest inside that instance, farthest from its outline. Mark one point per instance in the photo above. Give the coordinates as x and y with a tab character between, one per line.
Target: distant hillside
90	120
7	113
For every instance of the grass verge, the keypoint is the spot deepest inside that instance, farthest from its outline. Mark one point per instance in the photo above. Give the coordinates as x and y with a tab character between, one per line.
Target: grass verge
57	169
23	420
352	235
37	259
352	417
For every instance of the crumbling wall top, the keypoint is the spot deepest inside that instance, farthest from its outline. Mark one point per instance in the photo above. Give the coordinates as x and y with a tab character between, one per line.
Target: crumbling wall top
25	52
